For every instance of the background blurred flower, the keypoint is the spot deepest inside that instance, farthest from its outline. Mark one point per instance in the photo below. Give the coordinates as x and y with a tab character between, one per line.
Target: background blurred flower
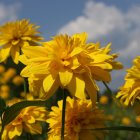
81	118
137	119
8	75
18	80
103	100
14	35
4	91
2	69
126	121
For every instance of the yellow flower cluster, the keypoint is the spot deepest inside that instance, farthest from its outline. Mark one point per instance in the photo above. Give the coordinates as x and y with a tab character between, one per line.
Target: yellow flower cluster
130	91
80	120
68	62
28	120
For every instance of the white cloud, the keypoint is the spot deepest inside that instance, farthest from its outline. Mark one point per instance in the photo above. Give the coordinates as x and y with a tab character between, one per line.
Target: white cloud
9	12
109	23
98	19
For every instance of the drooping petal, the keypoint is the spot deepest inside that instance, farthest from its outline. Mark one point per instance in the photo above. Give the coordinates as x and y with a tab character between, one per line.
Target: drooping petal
91	88
4	53
65	77
48	82
15	52
100	74
77	87
43	95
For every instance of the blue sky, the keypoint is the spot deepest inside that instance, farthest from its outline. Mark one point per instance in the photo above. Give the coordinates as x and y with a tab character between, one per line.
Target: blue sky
116	21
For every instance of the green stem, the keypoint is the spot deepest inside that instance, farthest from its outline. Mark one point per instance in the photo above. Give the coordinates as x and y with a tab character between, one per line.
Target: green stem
29	136
112	95
25	87
1	132
107	87
63	115
119	128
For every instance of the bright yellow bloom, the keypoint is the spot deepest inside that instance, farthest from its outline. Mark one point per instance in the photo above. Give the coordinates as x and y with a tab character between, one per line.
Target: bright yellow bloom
28	120
14	35
80	118
129	92
68	62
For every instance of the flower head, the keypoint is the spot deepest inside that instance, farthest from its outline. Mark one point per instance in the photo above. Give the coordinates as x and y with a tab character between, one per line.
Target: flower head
79	120
28	120
130	91
14	35
68	62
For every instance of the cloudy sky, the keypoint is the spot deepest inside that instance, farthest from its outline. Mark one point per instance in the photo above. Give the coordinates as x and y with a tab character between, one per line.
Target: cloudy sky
116	21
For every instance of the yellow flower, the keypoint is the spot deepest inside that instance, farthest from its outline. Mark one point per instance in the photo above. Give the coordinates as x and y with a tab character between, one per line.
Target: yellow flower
8	75
137	119
2	69
14	35
126	121
129	92
4	91
28	120
18	80
80	118
68	62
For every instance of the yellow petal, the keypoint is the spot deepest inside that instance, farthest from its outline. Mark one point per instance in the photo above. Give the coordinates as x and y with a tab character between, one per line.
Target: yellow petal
4	53
15	131
91	89
81	36
65	77
100	57
76	51
75	63
15	53
52	90
23	59
100	74
15	42
104	65
48	82
34	51
33	128
77	87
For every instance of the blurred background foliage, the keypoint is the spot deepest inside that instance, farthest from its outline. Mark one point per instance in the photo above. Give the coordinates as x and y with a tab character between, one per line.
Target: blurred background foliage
12	91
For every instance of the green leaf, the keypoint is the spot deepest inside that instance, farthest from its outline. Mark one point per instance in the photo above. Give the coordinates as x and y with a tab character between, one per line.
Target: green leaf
12	111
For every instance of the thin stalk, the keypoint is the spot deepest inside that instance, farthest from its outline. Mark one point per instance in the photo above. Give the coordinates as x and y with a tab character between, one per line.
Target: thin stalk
118	128
25	87
112	95
107	87
63	115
